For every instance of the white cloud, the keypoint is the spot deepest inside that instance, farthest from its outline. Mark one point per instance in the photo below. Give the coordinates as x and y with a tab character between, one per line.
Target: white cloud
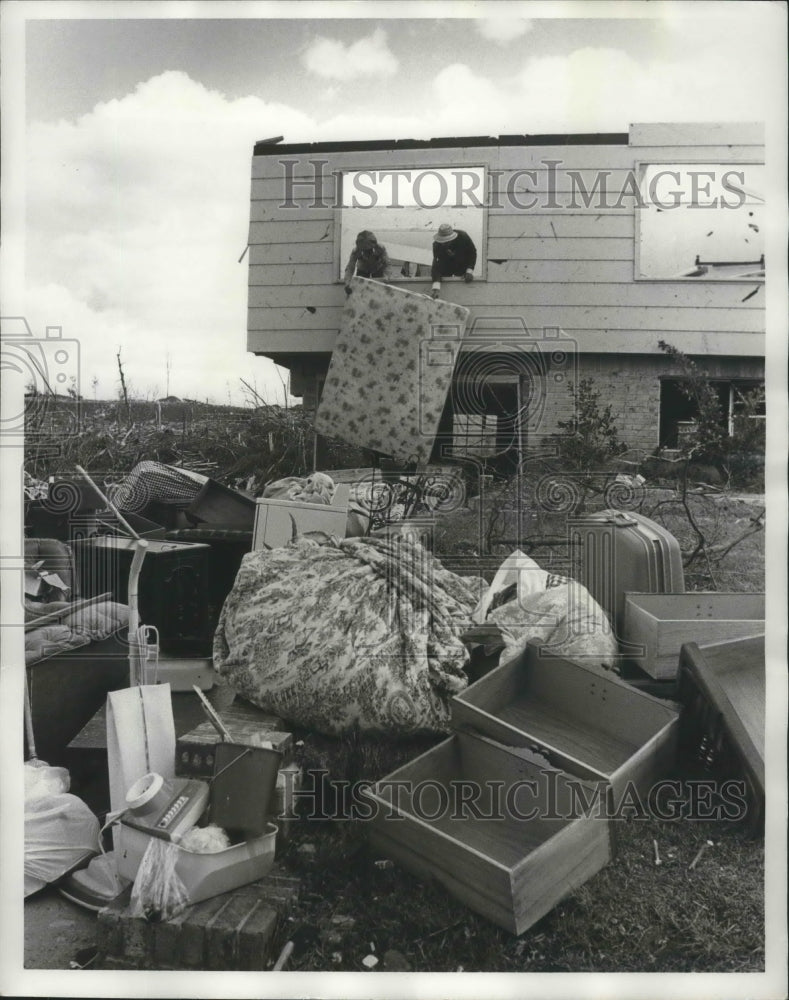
137	214
503	30
138	211
335	60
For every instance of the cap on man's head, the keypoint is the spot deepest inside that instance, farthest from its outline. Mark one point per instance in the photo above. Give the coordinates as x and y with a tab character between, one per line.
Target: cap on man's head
365	236
445	233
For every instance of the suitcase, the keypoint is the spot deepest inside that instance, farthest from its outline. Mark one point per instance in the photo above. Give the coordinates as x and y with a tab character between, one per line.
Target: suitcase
173	589
619	551
722	689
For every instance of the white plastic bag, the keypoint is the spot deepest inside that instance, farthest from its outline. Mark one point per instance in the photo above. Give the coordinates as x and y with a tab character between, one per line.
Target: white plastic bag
60	831
518	569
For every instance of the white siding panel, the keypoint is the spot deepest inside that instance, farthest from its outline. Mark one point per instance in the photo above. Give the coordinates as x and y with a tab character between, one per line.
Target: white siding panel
692	342
522	294
316	317
513	248
291	253
263	270
297	231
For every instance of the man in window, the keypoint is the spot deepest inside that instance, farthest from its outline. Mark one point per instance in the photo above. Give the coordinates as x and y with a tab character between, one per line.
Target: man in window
368	259
454	255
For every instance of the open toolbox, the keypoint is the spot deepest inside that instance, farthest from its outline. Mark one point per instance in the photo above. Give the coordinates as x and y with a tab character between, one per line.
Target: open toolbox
561	746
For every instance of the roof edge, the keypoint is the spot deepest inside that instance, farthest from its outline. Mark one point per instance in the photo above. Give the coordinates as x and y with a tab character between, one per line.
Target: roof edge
267	148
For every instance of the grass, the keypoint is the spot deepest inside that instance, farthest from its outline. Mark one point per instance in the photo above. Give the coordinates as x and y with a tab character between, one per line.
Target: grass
633	916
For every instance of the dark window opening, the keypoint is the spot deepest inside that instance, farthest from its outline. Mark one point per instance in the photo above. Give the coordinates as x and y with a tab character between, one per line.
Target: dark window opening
678	414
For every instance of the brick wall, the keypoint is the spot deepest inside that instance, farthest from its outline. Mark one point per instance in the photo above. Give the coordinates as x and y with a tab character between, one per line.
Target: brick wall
631	384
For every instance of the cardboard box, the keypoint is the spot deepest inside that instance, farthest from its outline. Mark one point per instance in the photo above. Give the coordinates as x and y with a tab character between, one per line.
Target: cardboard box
590	725
661	623
203	875
275	519
510	870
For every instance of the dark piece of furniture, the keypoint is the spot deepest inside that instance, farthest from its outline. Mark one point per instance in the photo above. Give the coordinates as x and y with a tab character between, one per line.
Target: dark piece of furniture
722	688
173	587
220	507
66	688
227	547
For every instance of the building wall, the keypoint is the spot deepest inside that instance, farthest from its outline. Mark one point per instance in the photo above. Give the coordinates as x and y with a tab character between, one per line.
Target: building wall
569	266
631	385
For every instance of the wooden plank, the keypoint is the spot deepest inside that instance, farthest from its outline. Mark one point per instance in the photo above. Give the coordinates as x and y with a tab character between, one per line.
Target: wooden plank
297	275
560	225
594	158
270	340
301	190
578	248
378	159
522	293
505	166
564	272
467	880
559	866
649	764
665	320
272	210
292	253
292	232
273	341
696	134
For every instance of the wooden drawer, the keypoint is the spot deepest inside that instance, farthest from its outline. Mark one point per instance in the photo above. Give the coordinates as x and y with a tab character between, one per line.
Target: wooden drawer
511	855
589	725
275	519
661	623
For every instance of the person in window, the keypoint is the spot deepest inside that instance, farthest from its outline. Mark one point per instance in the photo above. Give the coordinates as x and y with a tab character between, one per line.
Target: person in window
368	259
454	255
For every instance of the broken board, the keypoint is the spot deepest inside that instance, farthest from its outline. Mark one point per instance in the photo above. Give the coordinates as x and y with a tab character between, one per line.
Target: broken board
391	370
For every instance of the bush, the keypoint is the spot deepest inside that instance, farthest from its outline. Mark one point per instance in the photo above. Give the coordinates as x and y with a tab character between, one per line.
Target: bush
591	438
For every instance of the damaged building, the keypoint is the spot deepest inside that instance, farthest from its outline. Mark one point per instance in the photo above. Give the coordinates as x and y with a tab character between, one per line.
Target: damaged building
592	250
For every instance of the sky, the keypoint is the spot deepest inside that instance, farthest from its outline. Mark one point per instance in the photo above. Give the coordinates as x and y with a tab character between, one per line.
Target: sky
137	135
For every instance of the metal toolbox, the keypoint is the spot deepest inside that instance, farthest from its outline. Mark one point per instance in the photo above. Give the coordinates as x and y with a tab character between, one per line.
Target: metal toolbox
618	551
656	625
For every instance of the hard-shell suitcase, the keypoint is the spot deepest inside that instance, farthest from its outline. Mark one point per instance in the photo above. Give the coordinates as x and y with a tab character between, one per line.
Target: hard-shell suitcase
722	689
619	551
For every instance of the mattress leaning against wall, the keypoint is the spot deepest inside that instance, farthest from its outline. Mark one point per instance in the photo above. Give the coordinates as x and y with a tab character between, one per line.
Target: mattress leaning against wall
391	370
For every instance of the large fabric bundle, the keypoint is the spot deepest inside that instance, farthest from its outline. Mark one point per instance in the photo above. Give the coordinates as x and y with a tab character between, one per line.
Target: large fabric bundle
355	632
